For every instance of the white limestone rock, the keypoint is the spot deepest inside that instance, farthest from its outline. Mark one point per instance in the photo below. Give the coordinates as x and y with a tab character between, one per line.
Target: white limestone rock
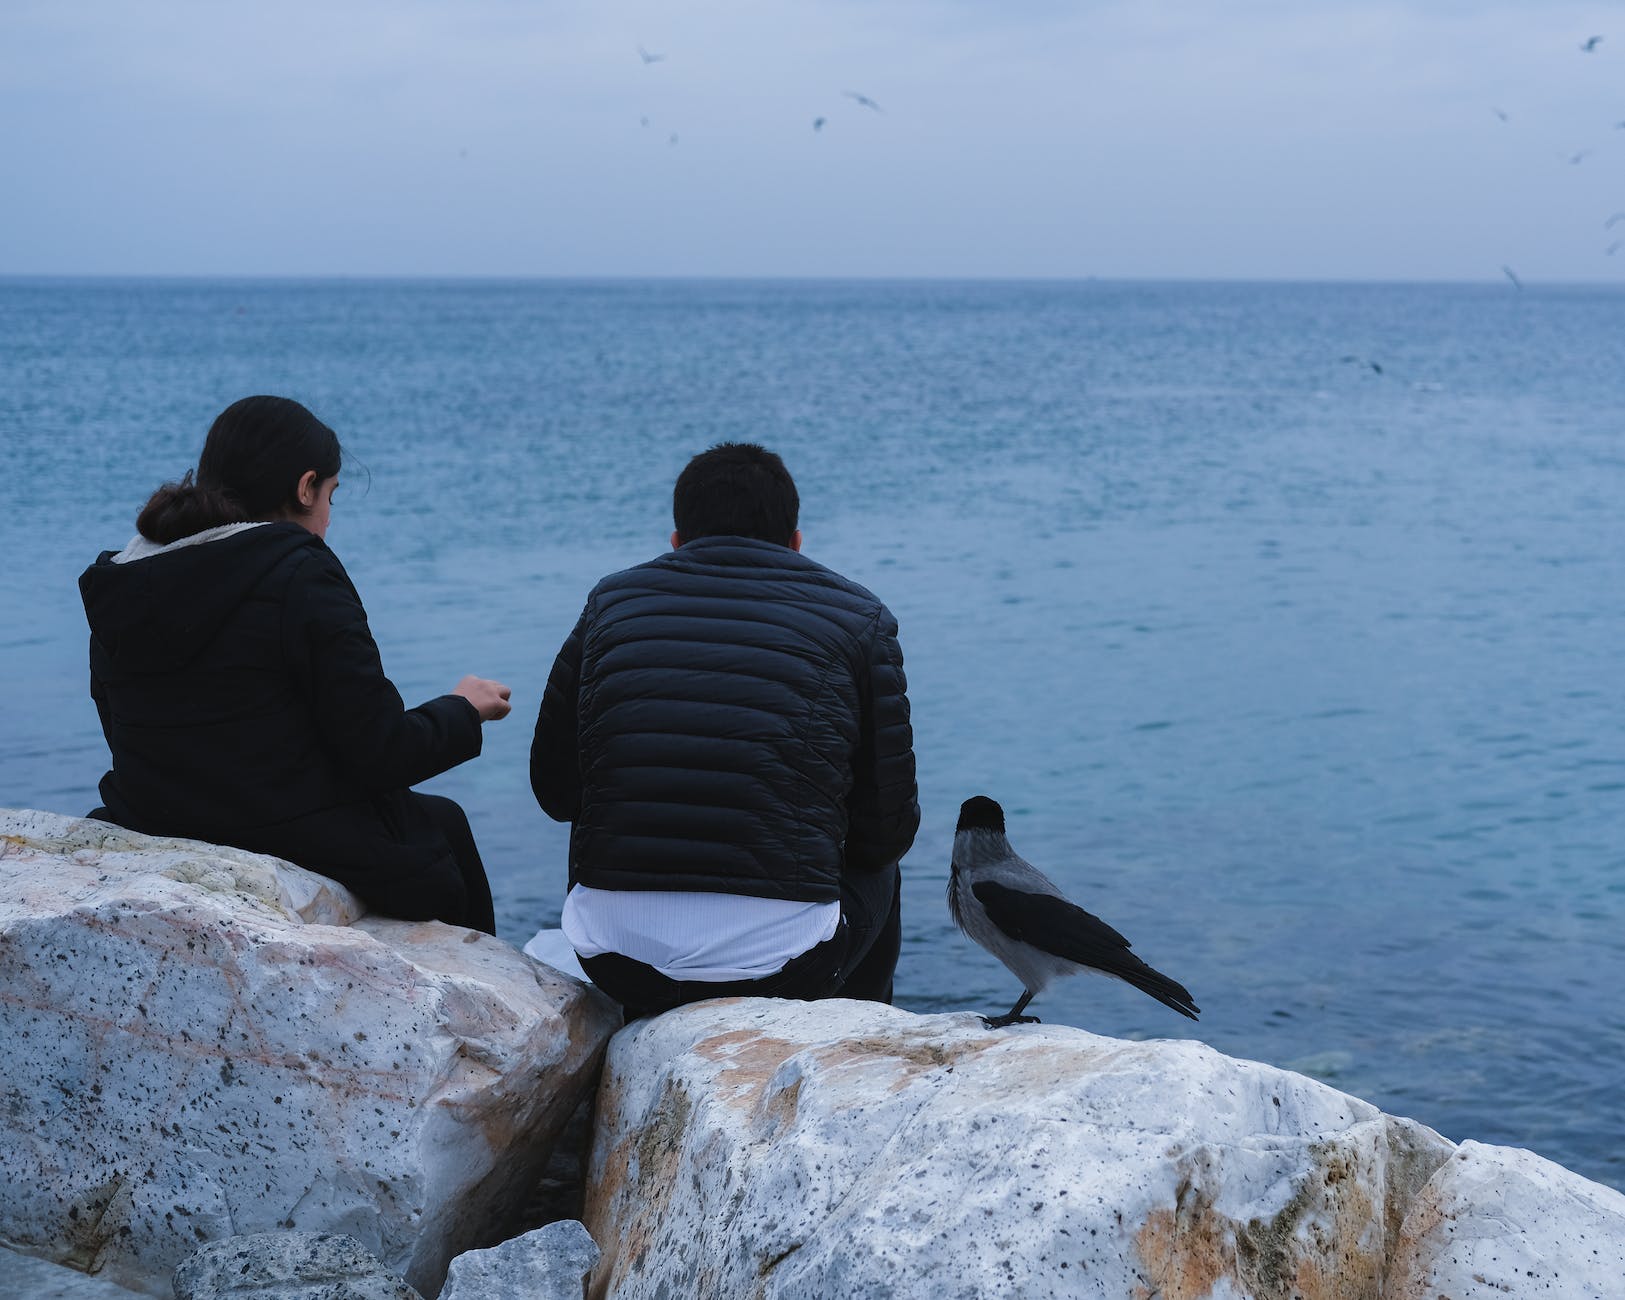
287	1266
104	856
198	1047
550	1263
1499	1221
781	1149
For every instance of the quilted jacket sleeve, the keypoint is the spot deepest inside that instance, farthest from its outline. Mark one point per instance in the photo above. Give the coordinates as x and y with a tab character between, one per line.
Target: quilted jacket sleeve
379	742
555	752
883	811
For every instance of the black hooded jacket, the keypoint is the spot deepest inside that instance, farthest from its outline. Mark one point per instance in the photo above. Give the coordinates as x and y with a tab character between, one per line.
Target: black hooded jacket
731	717
244	703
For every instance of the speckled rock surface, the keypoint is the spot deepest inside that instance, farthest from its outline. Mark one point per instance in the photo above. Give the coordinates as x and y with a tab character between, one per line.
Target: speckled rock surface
192	1054
287	1266
1499	1221
22	1277
760	1148
548	1264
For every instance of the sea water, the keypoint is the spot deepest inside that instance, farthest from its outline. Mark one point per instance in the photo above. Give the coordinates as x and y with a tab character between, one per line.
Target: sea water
1284	620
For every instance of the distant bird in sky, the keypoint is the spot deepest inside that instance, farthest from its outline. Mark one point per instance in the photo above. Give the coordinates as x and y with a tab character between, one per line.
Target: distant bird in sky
643	121
1613	247
1590	43
1613	220
672	139
863	100
1577	158
818	124
1364	361
1499	113
650	58
1012	909
1513	276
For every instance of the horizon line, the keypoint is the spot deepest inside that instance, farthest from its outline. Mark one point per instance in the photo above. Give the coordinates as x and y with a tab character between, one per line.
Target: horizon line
389	277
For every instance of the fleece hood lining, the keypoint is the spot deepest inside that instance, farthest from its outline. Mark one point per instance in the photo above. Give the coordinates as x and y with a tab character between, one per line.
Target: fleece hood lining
141	548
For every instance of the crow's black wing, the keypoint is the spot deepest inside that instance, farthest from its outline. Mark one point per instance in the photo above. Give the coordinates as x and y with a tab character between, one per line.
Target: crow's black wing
1063	928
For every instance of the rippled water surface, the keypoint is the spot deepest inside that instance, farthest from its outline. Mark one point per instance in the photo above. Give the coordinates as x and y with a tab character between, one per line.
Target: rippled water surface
1305	676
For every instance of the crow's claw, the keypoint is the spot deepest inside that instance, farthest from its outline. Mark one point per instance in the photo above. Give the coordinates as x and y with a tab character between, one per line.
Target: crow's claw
1005	1021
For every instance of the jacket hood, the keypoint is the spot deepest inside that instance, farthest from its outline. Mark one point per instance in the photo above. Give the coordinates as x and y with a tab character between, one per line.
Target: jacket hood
152	609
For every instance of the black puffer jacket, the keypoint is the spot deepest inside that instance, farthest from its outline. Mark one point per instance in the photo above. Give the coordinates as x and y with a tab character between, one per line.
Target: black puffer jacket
731	718
244	703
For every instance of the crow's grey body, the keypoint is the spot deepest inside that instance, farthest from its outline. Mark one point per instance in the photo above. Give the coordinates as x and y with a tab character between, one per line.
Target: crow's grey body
1014	910
985	856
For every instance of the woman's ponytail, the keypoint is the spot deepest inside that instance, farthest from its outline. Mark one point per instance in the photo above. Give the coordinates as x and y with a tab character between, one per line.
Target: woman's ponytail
178	510
256	452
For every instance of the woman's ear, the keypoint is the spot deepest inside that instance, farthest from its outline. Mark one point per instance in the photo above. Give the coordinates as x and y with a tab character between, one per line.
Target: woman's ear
306	491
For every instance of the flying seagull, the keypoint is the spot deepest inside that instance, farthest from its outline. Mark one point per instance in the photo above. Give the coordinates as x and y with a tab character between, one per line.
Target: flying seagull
650	58
1014	911
1513	276
1613	247
1617	217
1577	158
1590	43
818	124
1364	361
863	100
1500	113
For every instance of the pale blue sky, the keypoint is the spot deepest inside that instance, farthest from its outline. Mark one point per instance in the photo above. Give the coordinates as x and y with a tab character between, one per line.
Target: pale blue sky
1121	138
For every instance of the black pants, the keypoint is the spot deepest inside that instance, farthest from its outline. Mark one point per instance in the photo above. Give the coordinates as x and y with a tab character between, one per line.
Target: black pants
858	961
479	913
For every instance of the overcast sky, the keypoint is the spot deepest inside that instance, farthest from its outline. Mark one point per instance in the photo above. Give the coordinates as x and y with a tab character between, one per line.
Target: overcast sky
1120	138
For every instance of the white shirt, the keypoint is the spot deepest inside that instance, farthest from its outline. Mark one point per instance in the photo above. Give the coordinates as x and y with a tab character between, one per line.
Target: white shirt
690	936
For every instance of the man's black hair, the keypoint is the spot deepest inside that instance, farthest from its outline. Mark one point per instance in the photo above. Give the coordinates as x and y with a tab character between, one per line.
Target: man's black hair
736	489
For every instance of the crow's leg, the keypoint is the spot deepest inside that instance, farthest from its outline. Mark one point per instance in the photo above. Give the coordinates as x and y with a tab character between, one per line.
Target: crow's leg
1013	1016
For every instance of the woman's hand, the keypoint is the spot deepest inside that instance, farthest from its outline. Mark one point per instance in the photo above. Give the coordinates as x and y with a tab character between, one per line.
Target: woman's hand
490	698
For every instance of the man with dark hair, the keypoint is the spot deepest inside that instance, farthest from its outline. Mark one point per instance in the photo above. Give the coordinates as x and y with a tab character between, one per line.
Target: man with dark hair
727	731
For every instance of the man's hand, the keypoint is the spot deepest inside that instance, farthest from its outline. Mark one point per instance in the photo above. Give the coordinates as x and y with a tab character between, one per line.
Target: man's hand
488	697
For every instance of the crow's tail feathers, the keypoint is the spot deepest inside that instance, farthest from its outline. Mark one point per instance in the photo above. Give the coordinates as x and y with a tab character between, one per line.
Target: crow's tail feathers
1063	929
1169	992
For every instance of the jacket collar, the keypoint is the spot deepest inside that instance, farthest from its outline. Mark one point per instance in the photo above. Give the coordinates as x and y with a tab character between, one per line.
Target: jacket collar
720	542
140	548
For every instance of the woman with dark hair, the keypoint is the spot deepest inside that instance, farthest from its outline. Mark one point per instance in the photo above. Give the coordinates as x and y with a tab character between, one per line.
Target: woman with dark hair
242	695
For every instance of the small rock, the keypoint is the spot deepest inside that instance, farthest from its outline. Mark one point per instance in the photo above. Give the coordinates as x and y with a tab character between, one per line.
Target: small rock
287	1266
551	1263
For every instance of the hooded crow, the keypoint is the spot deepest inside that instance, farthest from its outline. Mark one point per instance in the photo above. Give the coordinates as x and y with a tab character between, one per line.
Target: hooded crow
1014	911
